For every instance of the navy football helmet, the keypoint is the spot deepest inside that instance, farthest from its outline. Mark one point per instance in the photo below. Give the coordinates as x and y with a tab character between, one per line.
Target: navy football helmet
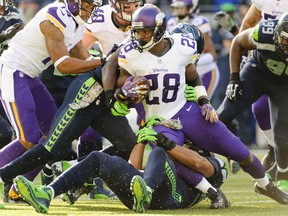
75	7
6	4
118	7
187	28
148	17
281	36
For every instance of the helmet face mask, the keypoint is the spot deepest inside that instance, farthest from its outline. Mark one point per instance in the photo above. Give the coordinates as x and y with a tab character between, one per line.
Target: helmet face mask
151	19
125	8
281	37
82	10
4	4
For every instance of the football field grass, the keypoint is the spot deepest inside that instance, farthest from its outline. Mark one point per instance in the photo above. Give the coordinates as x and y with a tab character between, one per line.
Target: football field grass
238	189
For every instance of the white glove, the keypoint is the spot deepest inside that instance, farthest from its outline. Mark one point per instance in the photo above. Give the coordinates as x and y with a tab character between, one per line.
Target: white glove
224	20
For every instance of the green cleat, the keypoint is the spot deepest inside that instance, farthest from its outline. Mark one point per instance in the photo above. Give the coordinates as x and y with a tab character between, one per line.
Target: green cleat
282	185
142	194
38	196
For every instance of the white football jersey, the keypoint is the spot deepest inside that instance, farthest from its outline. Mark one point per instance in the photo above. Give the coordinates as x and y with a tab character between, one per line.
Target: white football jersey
166	74
103	28
271	9
27	50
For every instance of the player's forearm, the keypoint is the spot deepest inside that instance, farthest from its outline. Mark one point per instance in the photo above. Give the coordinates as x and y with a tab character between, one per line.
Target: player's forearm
77	66
235	56
192	160
136	156
110	72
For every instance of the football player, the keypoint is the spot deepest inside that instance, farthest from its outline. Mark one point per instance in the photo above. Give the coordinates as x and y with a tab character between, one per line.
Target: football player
168	77
188	11
158	187
110	27
263	73
260	10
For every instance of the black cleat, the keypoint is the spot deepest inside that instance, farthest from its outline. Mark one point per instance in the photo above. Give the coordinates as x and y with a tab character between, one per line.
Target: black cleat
273	192
218	199
73	195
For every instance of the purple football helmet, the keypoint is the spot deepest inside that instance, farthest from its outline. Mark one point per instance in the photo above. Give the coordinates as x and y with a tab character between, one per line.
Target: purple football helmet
75	7
148	17
187	28
281	36
184	8
118	7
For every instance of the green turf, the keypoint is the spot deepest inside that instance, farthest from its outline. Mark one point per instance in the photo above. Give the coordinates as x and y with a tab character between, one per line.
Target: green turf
238	189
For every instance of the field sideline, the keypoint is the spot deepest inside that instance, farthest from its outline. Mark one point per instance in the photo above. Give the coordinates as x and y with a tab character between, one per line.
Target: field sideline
238	189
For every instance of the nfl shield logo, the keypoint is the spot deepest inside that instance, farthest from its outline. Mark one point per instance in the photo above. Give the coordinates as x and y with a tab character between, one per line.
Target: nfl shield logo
159	61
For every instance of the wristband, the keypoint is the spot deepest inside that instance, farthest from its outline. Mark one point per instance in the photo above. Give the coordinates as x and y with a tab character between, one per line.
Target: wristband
234	76
60	60
234	29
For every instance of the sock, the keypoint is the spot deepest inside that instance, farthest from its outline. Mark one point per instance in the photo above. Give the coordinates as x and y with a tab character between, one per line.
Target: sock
262	182
204	185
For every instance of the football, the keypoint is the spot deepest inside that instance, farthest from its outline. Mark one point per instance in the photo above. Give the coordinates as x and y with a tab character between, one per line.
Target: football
135	89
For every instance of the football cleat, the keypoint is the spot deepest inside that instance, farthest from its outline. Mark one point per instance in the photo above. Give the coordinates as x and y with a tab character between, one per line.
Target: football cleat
73	195
15	196
38	196
46	179
218	199
100	192
142	194
6	187
273	192
269	164
282	185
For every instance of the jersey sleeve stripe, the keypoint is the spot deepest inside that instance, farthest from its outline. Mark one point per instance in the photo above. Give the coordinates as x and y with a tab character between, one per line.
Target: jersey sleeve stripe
53	16
124	61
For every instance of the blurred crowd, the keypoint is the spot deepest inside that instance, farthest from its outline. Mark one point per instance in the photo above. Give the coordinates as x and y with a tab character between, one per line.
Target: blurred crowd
222	40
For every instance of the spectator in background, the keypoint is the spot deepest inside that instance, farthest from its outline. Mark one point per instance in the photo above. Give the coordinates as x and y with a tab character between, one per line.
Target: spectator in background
28	8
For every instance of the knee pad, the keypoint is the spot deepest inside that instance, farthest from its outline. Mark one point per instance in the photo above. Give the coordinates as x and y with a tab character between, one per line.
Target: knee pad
221	171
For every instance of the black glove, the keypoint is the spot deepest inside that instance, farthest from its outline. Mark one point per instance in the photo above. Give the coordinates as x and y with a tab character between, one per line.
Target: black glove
116	107
234	88
164	142
9	32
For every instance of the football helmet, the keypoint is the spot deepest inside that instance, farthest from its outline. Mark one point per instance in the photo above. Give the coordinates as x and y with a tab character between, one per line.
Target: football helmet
187	28
184	8
281	36
118	7
6	4
148	17
76	8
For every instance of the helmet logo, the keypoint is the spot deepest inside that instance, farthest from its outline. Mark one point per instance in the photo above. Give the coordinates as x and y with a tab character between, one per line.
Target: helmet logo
159	19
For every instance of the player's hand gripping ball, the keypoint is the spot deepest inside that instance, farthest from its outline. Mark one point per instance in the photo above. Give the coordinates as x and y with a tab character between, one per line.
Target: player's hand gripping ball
135	89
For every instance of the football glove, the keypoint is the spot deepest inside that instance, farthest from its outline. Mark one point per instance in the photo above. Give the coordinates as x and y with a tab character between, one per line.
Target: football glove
150	135
9	32
190	93
234	88
152	121
117	108
209	113
146	135
225	20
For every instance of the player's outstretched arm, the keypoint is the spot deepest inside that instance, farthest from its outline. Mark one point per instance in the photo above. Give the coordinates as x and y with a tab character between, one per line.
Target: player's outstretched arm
59	54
